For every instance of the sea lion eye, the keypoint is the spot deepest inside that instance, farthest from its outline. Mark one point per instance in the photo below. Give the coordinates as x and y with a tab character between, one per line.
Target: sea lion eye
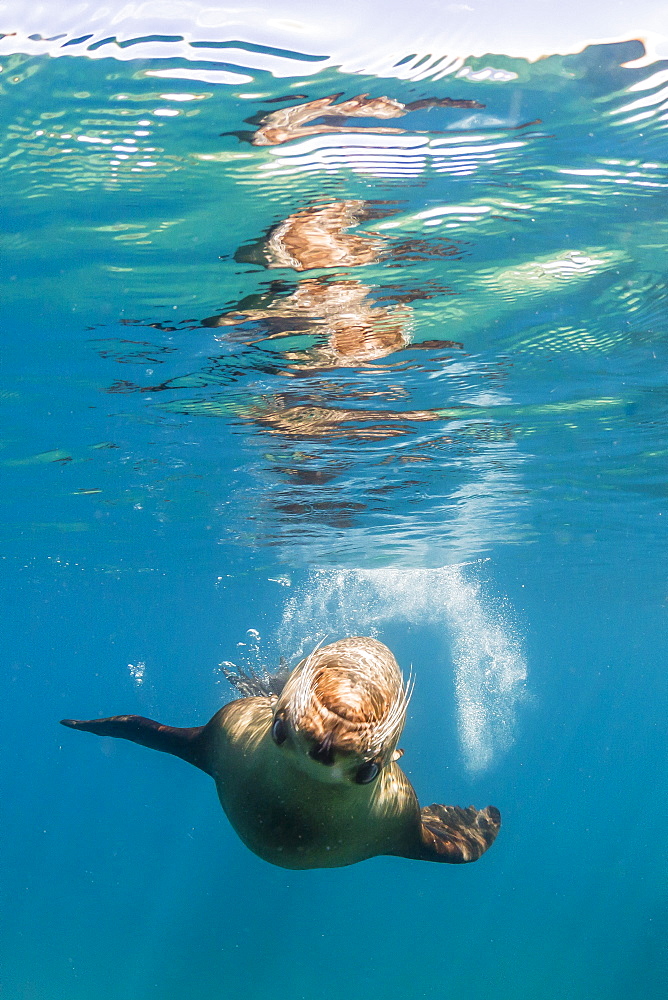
367	772
279	732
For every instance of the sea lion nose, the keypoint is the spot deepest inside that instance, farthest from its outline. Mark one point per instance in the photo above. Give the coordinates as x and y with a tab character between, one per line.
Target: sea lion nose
323	752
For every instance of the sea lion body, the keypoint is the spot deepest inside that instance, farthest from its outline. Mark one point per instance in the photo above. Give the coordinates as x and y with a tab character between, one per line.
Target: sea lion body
307	773
285	813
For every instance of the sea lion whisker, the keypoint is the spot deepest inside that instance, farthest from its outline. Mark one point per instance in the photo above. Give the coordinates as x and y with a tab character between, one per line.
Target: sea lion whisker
389	729
299	702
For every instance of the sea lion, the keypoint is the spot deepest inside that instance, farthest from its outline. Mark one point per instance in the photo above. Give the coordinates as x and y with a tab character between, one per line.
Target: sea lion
305	764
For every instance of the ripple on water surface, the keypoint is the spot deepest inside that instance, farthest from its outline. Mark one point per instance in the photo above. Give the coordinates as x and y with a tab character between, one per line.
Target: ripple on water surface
415	304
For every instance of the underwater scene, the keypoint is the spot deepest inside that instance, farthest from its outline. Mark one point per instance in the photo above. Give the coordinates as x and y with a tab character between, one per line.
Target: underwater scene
312	336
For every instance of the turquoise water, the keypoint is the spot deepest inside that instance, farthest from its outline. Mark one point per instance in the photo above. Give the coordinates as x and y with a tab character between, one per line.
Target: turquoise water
452	438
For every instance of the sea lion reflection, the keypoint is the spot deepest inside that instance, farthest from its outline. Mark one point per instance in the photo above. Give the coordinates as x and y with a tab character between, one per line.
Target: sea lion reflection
312	421
341	313
292	122
356	329
316	237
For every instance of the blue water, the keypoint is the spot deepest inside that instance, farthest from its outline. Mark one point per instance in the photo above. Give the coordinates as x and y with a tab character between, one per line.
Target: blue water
491	504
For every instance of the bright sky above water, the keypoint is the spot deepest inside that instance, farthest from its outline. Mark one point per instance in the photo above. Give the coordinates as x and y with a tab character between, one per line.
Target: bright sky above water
340	33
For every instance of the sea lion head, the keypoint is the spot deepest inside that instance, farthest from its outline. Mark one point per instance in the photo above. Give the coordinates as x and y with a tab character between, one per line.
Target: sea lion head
342	711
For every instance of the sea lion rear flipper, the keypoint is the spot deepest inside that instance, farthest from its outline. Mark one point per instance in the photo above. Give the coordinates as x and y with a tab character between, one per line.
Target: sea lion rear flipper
185	743
456	835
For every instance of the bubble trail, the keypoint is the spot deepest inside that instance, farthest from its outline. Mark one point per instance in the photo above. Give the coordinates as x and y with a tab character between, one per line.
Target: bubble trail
489	675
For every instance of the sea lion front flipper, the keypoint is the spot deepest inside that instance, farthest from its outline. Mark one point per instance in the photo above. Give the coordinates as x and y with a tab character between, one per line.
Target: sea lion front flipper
188	744
456	835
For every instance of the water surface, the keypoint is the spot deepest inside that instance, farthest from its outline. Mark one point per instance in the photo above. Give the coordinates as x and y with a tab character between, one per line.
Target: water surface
261	389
